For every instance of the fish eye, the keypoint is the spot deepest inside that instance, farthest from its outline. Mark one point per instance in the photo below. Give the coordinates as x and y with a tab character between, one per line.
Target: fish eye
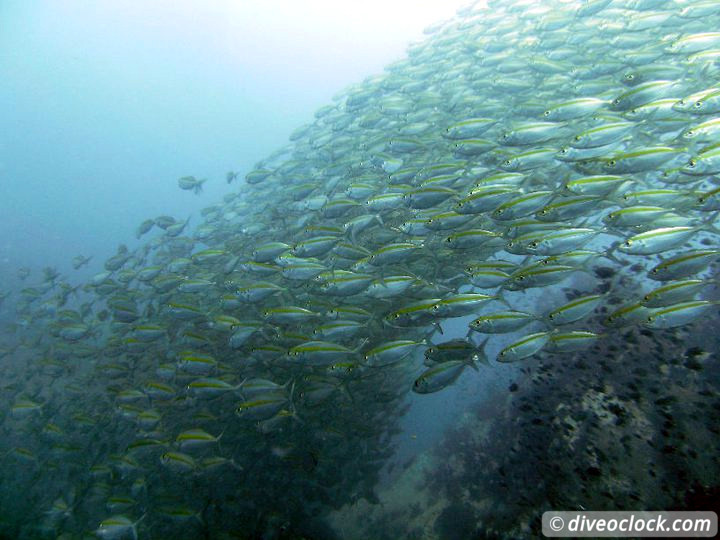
698	104
628	243
611	163
692	163
629	77
507	162
689	133
520	278
578	137
546	113
564	150
532	244
448	239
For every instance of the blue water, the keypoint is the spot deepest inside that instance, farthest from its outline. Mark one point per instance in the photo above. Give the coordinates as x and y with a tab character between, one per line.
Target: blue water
103	106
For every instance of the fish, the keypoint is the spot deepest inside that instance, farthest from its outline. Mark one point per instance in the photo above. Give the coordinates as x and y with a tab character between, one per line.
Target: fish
262	407
525	347
684	264
673	292
571	342
456	350
195	438
577	309
390	352
118	526
190	183
440	376
678	314
658	240
80	261
502	322
574	108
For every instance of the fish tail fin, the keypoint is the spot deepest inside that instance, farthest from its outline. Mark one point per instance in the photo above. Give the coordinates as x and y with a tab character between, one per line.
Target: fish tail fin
198	516
501	298
293	411
361	345
344	387
428	335
134	526
239	387
292	391
709	222
481	355
391	325
610	254
545	319
470	333
473	361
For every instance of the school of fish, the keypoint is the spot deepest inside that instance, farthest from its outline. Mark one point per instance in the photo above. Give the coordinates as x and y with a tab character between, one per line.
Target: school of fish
250	370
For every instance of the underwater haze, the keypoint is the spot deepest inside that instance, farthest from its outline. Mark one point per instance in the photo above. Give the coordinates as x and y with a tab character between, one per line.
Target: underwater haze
105	106
306	270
